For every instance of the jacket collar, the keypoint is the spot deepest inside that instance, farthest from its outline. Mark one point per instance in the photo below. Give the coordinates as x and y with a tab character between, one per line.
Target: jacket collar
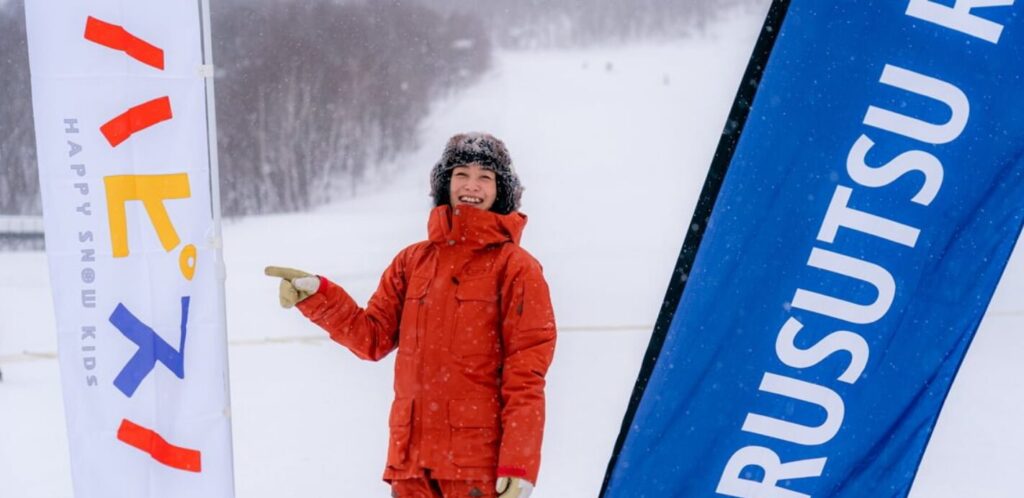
473	228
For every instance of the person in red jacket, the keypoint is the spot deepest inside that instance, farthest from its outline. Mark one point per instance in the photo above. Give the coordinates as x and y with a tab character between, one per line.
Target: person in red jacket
470	314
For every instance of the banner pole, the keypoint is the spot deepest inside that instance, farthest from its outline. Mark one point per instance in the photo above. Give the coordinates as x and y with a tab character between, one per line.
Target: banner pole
209	71
211	116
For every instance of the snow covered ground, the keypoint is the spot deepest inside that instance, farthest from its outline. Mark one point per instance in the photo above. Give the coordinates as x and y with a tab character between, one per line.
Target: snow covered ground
613	146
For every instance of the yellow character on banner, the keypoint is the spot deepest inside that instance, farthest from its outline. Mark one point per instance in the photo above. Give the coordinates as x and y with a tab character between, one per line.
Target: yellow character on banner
152	190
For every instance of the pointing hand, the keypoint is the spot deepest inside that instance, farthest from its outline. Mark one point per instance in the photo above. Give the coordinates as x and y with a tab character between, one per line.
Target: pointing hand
296	285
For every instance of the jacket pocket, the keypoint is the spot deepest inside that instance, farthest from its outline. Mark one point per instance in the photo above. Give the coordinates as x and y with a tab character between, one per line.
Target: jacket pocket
476	432
417	288
412	313
400	426
476	319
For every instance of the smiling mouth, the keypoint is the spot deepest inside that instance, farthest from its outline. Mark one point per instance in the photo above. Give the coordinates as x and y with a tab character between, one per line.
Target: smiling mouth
468	199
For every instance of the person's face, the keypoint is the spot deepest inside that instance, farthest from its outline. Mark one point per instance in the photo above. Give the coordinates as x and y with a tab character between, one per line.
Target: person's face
472	185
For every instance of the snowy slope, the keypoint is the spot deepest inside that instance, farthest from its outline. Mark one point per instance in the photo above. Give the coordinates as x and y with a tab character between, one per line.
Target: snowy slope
613	145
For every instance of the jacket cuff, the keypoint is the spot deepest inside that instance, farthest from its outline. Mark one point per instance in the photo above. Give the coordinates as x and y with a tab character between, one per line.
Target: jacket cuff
310	304
507	471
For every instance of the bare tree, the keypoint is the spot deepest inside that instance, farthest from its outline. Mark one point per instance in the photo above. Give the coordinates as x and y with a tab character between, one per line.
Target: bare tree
19	180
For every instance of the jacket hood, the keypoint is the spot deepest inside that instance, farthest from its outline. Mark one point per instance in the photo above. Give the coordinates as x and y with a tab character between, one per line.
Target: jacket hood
473	227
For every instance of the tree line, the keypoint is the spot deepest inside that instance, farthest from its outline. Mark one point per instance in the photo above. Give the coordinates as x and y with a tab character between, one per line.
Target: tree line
314	95
576	23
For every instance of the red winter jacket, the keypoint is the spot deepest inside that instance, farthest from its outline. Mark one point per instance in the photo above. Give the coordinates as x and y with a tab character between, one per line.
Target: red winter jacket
470	314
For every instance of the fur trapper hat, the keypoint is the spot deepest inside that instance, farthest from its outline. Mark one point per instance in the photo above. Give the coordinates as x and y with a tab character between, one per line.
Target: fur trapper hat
490	153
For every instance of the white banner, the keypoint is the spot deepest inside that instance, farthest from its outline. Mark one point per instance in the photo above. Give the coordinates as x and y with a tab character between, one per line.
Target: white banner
120	95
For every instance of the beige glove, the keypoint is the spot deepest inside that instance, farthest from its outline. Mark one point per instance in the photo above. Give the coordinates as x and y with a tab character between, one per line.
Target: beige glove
513	487
296	285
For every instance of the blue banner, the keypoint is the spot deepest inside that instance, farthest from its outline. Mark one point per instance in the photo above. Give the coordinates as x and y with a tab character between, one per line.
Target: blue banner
864	220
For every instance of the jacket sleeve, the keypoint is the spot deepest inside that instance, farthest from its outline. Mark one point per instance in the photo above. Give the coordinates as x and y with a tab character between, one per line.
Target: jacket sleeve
528	339
370	333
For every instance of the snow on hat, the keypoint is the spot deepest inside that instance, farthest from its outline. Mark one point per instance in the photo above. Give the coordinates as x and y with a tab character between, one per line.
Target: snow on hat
487	151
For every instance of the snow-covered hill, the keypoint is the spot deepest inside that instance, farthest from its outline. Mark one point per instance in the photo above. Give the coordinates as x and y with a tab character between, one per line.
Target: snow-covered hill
613	146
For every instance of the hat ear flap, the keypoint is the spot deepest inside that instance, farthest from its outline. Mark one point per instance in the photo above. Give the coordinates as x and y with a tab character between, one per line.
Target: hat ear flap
440	182
509	193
